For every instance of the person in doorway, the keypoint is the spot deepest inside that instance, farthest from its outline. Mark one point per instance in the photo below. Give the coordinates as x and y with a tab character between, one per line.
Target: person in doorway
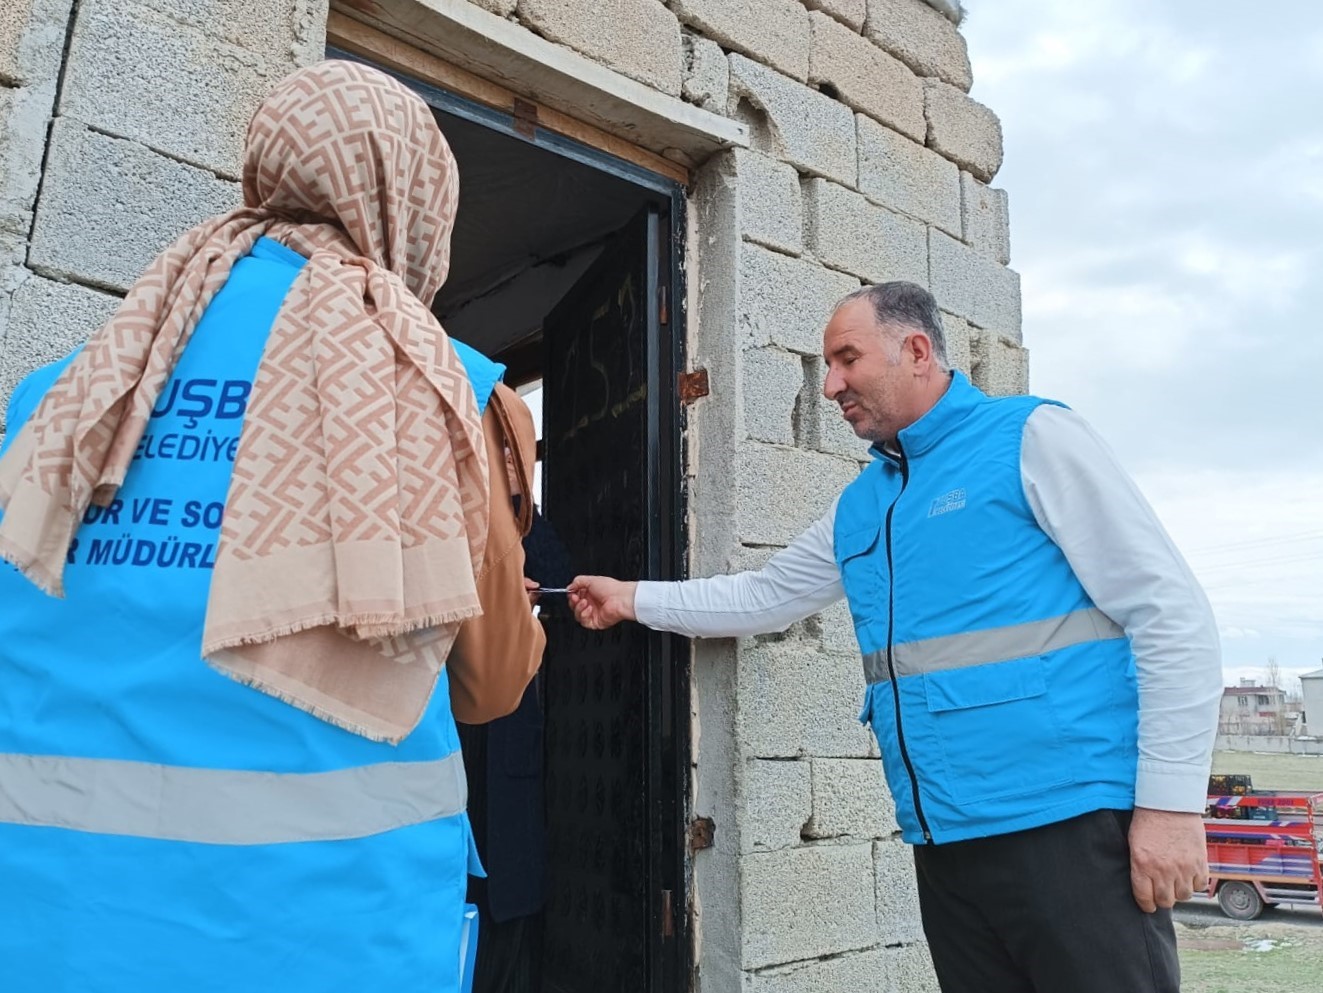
271	458
506	800
1042	668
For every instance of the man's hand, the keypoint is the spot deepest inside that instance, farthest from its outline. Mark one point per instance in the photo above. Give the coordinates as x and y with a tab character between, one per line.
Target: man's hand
600	602
1168	857
531	588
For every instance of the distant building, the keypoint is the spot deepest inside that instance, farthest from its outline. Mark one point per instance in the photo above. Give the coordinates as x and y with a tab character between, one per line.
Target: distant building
1252	709
1311	688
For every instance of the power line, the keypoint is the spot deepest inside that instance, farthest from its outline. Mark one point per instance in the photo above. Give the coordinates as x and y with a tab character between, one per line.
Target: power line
1257	542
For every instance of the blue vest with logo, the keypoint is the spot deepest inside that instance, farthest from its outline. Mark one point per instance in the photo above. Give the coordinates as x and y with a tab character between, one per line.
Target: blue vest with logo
1001	697
164	828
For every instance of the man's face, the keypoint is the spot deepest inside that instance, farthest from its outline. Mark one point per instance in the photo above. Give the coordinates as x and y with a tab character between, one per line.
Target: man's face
867	373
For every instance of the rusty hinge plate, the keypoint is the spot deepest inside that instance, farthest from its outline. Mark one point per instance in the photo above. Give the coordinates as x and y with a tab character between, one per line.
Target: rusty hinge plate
668	915
525	118
693	385
701	831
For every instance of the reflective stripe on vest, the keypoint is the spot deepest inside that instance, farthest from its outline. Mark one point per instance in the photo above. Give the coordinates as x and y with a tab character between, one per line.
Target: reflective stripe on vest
227	806
959	651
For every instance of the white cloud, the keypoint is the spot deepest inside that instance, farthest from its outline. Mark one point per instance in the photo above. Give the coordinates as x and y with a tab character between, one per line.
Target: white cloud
1165	171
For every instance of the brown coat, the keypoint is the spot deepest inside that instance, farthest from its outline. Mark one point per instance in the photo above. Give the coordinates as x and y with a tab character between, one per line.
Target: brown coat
495	656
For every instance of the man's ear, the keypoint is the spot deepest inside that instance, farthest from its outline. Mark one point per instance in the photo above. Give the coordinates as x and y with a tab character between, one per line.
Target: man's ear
919	347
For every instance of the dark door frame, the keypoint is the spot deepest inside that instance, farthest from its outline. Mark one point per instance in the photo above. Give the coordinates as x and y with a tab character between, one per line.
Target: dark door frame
669	941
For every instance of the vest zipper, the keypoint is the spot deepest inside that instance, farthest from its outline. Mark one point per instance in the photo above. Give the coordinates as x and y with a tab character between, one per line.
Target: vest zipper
891	664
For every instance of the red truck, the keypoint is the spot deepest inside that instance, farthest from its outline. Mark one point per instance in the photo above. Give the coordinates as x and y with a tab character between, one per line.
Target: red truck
1263	847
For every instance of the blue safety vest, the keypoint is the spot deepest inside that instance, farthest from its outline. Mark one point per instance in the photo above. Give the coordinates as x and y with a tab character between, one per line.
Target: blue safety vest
1001	697
163	827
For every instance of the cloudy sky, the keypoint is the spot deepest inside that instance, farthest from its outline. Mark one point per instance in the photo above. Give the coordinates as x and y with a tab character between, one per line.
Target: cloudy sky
1164	161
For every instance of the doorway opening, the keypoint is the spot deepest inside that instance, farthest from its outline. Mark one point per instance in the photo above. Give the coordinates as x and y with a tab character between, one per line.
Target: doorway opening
566	266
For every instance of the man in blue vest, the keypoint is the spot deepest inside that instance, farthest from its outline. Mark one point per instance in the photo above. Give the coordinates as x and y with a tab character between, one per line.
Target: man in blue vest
1043	671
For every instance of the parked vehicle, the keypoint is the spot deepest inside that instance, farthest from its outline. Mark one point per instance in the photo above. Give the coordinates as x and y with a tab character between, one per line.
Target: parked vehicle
1263	847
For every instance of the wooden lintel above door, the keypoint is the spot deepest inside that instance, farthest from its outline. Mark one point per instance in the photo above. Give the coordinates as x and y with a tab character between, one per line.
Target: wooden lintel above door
402	56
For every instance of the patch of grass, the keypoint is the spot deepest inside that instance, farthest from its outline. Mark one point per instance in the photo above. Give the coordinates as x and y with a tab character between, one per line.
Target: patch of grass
1291	963
1274	772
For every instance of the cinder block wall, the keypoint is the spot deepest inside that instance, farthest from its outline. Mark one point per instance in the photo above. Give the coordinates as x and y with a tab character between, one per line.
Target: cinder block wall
121	123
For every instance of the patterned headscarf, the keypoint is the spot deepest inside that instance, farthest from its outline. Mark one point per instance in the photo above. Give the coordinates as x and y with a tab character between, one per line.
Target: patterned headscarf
357	512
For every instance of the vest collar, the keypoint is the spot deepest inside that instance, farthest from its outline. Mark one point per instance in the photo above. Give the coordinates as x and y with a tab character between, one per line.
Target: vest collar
960	398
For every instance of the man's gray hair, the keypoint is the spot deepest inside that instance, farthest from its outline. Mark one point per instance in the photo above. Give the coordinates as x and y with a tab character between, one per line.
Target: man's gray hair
905	305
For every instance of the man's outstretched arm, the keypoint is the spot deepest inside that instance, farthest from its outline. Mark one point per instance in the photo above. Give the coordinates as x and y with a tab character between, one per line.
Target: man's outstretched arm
797	581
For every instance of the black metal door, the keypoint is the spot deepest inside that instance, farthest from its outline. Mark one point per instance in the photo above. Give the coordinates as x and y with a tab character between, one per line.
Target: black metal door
612	793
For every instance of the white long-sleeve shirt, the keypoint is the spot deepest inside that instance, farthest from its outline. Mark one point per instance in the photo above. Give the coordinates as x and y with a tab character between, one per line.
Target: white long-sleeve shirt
1119	551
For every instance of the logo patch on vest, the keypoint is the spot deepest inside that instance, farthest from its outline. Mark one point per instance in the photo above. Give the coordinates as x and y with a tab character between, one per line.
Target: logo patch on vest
947	502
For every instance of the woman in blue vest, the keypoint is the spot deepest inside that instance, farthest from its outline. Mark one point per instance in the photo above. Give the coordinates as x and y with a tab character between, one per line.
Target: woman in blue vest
168	826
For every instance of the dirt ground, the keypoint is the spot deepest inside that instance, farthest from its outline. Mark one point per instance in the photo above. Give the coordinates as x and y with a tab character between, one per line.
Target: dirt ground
1263	956
1280	952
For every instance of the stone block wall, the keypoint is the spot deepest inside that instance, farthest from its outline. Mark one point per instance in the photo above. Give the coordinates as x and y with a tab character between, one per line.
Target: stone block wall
121	123
873	165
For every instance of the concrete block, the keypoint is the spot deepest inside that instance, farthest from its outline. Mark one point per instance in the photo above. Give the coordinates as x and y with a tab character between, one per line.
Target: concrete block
922	38
145	77
962	129
747	557
806	902
959	336
850	800
46	321
974	287
24	117
845	231
773	379
834	629
985	219
706	73
905	176
1000	367
271	29
781	491
13	250
898	920
638	38
864	77
32	40
851	13
778	799
822	428
796	700
774	32
905	969
109	206
794	123
771	206
785	301
502	8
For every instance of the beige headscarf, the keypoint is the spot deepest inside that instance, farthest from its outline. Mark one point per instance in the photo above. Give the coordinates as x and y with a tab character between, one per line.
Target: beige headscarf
357	512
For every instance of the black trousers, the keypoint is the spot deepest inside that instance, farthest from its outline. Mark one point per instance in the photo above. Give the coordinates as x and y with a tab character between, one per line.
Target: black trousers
1043	911
509	955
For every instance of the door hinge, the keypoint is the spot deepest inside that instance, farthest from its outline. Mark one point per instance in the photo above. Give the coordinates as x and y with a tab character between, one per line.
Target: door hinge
668	915
525	118
693	385
701	831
